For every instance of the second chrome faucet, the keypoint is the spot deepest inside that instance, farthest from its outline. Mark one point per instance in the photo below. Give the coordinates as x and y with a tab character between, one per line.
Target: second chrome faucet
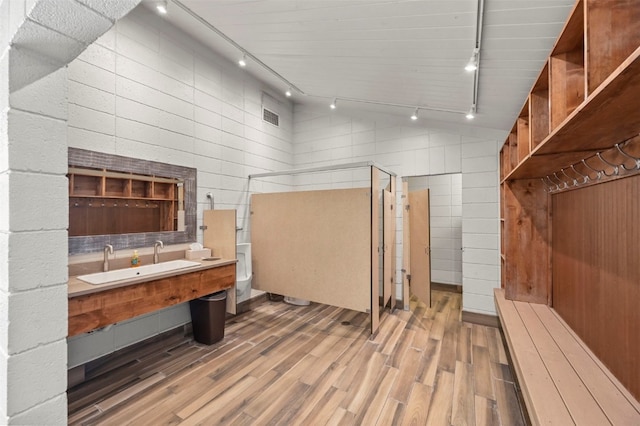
157	245
108	249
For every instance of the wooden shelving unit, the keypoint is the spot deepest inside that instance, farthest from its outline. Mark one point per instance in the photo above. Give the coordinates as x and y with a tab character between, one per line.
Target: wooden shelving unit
585	101
105	202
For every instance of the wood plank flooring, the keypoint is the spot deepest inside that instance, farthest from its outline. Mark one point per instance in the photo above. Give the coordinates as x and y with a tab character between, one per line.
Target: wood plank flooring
314	365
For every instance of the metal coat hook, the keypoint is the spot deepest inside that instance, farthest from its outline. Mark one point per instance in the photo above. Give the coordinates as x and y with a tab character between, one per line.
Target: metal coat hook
557	186
563	183
585	179
597	172
546	185
575	181
615	167
636	160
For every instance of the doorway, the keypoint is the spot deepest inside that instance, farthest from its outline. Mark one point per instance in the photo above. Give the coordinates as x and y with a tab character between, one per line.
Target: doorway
443	232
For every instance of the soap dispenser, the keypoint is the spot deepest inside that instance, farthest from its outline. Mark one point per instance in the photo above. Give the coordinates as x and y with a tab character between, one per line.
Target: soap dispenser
135	259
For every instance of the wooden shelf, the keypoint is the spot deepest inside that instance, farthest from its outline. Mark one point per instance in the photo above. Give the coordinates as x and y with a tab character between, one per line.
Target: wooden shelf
564	127
522	133
103	202
588	128
566	67
539	109
605	52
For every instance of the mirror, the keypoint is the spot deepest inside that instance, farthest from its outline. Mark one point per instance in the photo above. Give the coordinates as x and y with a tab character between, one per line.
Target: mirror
128	202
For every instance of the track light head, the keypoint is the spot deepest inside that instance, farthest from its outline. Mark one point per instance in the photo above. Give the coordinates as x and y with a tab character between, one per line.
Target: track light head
333	104
243	61
288	93
472	65
472	113
414	116
161	7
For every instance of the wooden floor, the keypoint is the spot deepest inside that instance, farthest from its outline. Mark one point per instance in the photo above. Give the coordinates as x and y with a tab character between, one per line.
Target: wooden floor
314	365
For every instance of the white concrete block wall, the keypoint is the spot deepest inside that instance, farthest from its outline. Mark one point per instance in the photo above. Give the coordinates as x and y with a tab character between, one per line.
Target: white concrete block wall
33	275
480	224
146	90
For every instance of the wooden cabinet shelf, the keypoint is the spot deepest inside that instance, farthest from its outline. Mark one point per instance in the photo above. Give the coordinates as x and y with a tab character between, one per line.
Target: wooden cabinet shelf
108	184
575	102
103	202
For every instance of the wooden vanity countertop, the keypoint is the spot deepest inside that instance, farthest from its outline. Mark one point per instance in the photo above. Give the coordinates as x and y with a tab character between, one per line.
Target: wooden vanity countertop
78	287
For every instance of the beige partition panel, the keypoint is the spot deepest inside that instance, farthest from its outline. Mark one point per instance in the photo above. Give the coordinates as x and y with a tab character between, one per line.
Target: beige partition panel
314	245
220	237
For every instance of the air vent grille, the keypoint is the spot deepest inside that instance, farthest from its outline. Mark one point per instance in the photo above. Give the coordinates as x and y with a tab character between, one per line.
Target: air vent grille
270	117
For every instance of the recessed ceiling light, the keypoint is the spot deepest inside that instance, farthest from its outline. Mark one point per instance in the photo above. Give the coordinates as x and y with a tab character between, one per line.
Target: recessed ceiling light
243	61
288	93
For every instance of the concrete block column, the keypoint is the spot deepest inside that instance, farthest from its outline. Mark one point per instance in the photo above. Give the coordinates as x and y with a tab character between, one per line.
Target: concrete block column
37	39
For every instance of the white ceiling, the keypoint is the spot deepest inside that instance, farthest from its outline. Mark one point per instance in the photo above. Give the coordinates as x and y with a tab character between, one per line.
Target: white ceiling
395	52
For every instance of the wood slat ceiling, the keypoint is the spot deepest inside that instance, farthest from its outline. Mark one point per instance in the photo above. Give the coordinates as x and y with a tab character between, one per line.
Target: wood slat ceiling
409	52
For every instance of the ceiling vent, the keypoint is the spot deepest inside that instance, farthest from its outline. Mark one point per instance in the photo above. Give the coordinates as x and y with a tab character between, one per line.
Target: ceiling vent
270	117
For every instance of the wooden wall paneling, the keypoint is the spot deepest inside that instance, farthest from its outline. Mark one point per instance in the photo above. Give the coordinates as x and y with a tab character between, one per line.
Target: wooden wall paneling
220	237
375	248
527	242
95	310
596	273
314	245
613	33
406	244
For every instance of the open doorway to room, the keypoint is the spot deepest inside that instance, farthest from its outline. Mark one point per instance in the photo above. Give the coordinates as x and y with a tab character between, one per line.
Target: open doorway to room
434	234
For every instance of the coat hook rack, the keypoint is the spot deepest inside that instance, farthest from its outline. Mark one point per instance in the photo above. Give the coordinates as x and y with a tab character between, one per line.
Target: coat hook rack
591	173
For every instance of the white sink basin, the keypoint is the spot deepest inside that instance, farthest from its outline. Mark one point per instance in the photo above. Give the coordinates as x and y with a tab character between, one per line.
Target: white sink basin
140	271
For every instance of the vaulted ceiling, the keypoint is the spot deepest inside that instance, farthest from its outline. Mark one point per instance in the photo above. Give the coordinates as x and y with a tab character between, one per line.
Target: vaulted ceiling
387	56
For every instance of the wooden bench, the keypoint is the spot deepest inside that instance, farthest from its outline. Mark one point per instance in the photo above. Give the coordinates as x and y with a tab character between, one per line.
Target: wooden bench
562	381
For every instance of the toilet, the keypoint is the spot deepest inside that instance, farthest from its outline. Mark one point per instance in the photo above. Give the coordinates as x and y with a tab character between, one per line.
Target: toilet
244	272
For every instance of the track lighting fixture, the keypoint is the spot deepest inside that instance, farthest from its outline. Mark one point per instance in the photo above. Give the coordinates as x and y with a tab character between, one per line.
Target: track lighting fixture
333	104
414	116
472	65
243	61
472	113
161	7
288	92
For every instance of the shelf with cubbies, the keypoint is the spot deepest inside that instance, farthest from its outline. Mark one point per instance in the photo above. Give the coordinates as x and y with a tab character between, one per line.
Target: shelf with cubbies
584	101
591	80
105	202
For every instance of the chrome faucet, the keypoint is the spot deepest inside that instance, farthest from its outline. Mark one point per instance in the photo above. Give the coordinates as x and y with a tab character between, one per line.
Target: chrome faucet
156	257
108	249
